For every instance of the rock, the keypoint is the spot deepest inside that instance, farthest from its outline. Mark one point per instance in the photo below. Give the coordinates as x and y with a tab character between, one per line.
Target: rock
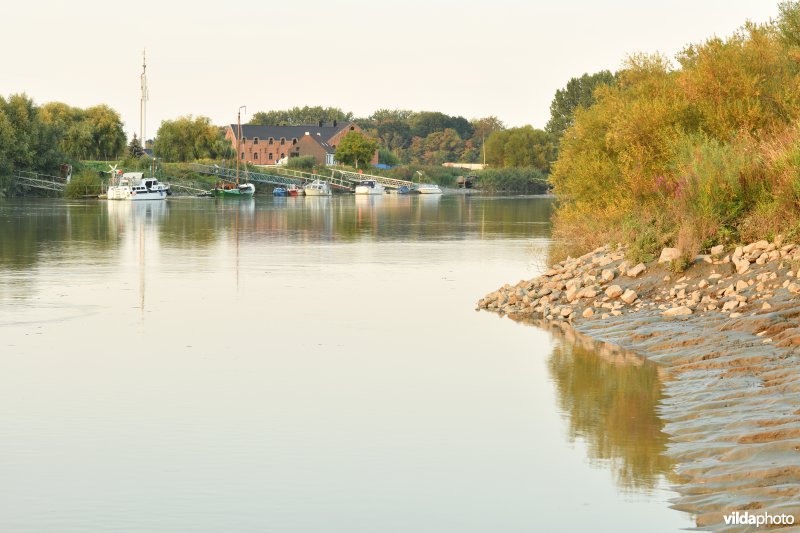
588	312
668	255
742	266
587	292
677	311
607	275
727	306
741	285
794	288
703	284
717	250
629	296
735	315
571	294
613	291
637	270
566	311
766	306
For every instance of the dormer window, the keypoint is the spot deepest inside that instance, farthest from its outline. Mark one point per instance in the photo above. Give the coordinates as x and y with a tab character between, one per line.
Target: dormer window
255	140
294	141
271	140
283	141
244	139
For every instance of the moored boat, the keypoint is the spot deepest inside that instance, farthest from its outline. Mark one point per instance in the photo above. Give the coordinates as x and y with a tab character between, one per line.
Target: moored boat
294	190
318	188
428	188
135	187
229	189
279	192
370	187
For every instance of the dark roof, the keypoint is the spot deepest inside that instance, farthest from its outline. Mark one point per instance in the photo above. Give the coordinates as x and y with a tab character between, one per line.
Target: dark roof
318	139
326	131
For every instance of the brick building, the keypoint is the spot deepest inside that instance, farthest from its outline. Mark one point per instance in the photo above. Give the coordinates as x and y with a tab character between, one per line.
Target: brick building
266	145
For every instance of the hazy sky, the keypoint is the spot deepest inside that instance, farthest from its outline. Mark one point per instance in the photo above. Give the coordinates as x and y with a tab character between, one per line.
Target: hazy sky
470	58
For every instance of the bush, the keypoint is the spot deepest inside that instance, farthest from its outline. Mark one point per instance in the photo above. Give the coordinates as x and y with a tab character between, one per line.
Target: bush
513	180
86	183
692	157
305	163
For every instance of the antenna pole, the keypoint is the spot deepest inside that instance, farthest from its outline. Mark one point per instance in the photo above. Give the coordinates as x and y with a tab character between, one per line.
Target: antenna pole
143	102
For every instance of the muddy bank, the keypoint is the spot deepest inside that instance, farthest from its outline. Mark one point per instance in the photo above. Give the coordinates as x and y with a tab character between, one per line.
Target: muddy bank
727	334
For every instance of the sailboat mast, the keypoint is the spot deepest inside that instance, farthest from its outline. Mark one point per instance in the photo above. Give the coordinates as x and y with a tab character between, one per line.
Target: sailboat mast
239	140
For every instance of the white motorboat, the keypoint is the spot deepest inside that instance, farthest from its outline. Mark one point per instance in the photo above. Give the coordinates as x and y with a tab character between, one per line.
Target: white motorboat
135	187
318	188
428	188
370	187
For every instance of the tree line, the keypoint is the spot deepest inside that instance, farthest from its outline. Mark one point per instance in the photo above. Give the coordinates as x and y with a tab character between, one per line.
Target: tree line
43	137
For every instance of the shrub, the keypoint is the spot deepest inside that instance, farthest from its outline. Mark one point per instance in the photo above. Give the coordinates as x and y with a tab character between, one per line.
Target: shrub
305	163
514	180
87	182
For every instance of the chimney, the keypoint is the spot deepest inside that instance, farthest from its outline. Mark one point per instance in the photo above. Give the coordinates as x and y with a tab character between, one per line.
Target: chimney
319	123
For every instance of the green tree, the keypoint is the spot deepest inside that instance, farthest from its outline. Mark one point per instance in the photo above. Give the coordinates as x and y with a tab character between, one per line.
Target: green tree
187	139
297	116
521	147
135	147
356	150
108	137
579	92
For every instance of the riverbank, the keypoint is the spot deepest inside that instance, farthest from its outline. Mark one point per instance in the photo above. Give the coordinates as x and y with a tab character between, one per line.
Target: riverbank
726	332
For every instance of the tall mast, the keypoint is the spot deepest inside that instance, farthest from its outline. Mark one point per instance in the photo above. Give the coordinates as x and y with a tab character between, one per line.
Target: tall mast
143	102
239	140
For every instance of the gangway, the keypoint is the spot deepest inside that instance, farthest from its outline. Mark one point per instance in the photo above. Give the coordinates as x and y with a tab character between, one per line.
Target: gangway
36	180
356	177
280	176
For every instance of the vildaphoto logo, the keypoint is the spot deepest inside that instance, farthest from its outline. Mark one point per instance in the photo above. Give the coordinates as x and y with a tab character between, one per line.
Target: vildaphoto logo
763	519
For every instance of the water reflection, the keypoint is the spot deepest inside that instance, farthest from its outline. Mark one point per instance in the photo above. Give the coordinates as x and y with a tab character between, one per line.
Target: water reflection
610	399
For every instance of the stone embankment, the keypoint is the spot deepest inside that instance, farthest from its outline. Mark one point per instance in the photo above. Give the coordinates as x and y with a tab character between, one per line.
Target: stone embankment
727	331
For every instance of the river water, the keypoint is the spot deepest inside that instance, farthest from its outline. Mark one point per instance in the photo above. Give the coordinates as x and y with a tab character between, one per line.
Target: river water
304	365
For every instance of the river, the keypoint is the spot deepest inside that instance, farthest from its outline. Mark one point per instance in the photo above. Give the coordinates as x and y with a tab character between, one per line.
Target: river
302	365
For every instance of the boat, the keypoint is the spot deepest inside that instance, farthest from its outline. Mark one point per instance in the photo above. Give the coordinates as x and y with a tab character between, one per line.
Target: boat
403	189
318	188
279	192
230	189
135	187
370	187
236	189
428	188
294	190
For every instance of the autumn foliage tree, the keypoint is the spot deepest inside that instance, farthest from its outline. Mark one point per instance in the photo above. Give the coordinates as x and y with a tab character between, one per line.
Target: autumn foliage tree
691	154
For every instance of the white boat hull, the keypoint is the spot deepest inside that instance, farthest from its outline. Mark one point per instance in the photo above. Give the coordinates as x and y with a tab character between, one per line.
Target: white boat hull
429	189
377	190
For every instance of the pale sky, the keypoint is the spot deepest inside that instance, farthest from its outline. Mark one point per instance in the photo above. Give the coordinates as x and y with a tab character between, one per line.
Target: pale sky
470	58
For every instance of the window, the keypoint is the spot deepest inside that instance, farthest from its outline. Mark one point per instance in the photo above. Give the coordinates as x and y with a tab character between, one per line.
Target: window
283	141
242	156
255	140
255	155
270	156
294	141
283	155
271	140
352	128
244	139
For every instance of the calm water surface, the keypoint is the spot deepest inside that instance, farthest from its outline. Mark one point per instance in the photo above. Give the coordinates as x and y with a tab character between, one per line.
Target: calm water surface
305	365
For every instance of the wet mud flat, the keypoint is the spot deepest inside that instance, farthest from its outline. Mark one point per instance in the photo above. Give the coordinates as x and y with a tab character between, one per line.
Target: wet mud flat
727	338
